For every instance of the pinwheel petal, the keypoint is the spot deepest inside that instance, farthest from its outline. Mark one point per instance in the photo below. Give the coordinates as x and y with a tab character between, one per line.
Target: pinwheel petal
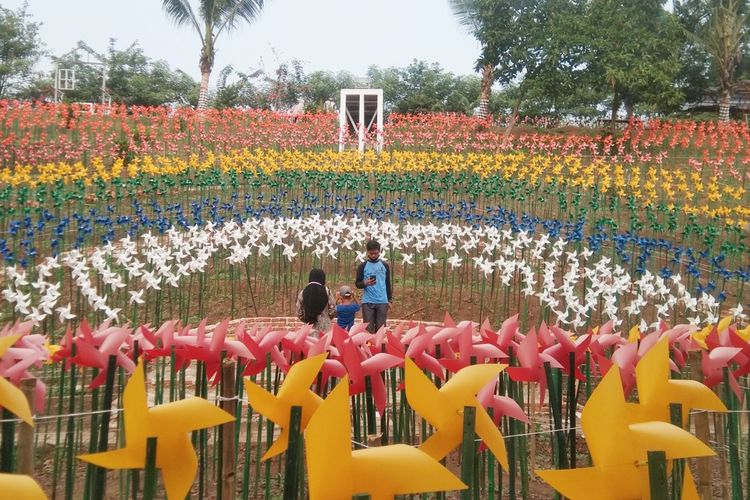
401	470
13	400
20	486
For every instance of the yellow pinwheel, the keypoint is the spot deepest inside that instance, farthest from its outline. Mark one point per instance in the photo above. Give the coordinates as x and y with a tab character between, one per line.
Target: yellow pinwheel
656	390
335	471
170	424
619	449
295	391
13	400
443	408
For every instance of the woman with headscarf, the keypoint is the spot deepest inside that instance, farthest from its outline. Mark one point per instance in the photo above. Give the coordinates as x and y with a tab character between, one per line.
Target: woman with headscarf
315	303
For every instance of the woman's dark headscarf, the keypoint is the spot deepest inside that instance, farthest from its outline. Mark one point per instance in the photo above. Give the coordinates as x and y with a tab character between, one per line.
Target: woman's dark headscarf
314	296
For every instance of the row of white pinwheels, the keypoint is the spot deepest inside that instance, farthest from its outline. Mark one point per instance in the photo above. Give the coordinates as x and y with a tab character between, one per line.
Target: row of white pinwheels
570	281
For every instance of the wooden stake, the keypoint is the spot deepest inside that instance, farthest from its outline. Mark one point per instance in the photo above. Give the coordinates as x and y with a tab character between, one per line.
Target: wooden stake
26	433
702	432
229	453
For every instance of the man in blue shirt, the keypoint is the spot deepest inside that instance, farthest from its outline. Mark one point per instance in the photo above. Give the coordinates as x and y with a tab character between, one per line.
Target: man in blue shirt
346	307
374	275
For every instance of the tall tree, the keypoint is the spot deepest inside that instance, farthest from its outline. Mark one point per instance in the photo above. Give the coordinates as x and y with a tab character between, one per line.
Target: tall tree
635	48
214	17
422	87
721	28
491	22
20	49
525	43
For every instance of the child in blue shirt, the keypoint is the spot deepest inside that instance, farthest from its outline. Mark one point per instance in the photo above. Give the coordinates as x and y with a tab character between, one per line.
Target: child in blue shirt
346	308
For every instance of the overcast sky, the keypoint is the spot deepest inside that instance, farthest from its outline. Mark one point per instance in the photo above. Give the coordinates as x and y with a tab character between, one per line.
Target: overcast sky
323	34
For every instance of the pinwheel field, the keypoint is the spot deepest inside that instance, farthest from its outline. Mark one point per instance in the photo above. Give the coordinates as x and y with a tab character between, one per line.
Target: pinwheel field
576	294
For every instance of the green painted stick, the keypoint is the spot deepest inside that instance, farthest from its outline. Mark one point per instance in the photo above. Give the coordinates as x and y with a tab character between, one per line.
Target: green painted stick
512	465
733	428
553	383
572	402
675	416
292	461
657	475
371	422
58	430
8	444
490	469
468	452
100	480
149	480
69	433
248	448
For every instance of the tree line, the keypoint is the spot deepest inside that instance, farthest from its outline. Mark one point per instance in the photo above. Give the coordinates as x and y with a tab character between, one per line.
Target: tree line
561	58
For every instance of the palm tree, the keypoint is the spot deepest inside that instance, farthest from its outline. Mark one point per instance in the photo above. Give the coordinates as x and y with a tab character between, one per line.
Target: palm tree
481	18
215	17
722	30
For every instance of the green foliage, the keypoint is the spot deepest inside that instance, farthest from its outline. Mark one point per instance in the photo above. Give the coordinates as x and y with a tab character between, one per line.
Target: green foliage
20	49
635	52
132	79
321	86
423	87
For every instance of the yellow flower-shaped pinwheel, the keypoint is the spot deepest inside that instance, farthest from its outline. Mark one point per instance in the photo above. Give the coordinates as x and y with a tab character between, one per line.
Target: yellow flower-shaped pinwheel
656	390
443	408
13	400
295	391
170	424
619	449
336	472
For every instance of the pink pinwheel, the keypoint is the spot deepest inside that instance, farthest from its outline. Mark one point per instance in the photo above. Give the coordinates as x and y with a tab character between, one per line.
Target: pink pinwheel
360	364
566	345
418	349
680	341
28	350
159	343
501	405
604	339
263	343
532	364
93	349
507	333
467	348
207	349
713	364
625	357
743	357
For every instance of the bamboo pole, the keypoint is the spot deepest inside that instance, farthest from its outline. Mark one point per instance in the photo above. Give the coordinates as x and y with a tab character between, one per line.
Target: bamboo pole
293	463
468	453
657	475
